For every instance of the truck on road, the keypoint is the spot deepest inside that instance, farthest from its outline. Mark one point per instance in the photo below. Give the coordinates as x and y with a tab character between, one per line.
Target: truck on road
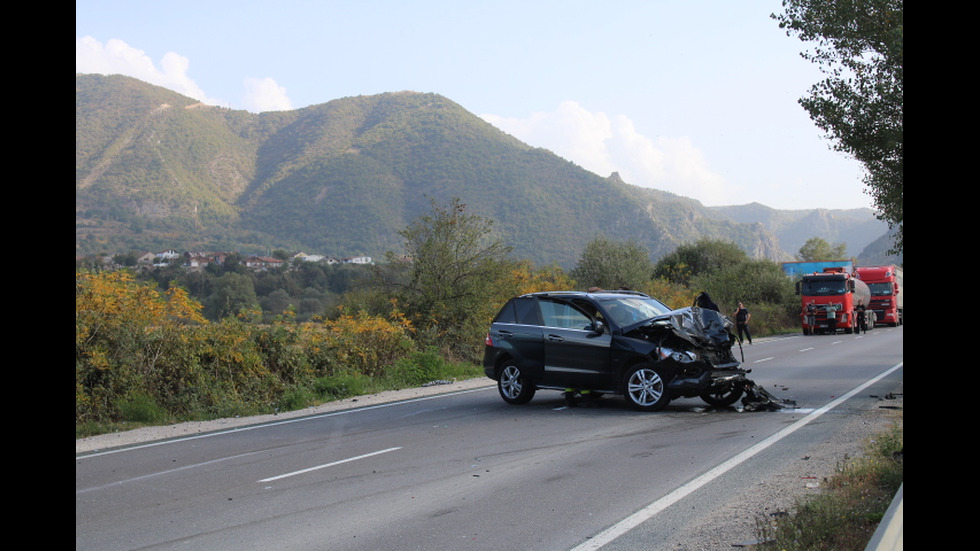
885	284
829	299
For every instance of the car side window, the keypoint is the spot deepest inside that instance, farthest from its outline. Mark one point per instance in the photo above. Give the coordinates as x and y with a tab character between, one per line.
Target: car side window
590	309
523	310
507	314
527	311
564	315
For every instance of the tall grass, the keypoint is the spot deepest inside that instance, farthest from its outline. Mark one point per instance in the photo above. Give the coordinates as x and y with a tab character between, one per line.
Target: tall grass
846	514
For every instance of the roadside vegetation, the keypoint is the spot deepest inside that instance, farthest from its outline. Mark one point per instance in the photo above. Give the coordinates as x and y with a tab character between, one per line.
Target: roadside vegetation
171	345
845	515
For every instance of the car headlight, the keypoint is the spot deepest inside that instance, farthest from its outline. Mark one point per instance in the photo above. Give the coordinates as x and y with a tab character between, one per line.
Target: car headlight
680	356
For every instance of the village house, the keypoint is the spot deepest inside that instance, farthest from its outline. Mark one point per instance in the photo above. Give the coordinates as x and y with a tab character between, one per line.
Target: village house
358	260
262	262
146	259
197	260
303	257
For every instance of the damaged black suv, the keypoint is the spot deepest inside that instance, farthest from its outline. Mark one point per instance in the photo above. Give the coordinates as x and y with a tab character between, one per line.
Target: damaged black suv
612	342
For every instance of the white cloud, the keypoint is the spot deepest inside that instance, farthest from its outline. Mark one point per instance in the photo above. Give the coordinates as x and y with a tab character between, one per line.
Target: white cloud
604	145
265	95
117	57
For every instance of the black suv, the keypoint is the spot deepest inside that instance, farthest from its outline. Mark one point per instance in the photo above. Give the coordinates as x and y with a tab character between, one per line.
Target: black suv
612	342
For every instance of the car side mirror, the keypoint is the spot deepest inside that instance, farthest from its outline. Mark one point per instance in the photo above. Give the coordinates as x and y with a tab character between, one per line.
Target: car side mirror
598	327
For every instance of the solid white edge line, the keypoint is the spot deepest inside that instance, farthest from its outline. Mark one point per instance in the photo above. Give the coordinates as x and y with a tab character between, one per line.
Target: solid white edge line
325	465
609	534
311	417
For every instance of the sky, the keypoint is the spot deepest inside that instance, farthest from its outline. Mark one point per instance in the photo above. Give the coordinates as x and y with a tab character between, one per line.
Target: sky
696	97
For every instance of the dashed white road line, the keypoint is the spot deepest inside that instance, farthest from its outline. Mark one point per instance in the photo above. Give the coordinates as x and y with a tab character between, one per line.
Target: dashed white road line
325	465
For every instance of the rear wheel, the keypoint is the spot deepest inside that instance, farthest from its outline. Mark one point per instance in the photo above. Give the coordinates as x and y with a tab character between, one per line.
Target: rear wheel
645	388
513	388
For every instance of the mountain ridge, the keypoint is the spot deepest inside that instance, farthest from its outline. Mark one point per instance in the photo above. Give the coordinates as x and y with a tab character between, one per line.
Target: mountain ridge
158	170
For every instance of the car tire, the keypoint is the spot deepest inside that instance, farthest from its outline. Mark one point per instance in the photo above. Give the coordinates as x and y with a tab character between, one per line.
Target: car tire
723	399
513	388
645	388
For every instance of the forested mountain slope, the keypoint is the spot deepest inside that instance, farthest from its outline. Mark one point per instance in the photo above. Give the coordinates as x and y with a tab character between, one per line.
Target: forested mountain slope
156	170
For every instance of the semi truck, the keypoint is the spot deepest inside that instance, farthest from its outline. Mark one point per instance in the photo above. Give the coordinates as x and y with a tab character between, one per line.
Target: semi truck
829	298
797	269
885	283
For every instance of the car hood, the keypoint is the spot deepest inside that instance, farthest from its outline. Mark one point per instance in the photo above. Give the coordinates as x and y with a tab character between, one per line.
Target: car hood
701	327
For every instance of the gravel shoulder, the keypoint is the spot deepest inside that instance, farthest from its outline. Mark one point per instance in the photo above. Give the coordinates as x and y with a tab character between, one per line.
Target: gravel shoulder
733	526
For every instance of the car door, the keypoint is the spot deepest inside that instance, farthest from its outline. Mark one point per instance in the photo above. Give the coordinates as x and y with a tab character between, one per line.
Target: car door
575	355
517	331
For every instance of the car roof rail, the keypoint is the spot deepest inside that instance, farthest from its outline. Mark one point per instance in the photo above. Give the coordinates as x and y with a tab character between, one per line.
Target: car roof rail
589	292
622	291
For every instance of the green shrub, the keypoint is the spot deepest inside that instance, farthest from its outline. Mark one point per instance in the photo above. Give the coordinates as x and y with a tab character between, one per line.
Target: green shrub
142	409
341	385
296	398
418	368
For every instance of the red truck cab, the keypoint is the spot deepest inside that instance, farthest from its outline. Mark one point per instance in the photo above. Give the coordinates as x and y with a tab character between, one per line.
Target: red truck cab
829	299
885	284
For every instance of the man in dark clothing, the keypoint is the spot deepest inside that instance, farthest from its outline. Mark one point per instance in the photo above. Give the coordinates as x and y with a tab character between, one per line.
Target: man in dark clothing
811	316
742	317
861	318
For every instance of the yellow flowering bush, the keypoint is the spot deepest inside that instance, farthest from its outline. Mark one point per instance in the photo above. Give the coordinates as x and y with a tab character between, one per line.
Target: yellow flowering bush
362	343
122	329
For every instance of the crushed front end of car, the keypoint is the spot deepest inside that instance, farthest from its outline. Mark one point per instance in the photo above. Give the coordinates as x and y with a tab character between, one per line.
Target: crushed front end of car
696	347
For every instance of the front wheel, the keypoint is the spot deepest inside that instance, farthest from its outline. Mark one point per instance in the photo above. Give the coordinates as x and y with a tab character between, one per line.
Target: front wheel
513	387
644	388
723	397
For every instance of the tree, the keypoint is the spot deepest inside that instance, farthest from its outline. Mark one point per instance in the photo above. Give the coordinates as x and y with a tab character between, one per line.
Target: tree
611	265
816	248
858	44
233	294
448	283
756	282
703	256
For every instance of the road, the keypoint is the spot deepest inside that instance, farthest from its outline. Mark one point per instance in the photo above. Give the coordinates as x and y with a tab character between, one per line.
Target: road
467	471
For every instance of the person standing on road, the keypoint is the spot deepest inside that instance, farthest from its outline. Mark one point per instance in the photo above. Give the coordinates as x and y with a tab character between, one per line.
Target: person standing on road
742	316
811	315
862	318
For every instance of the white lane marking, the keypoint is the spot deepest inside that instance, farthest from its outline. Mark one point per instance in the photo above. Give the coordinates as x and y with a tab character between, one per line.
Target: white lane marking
168	471
356	409
325	465
762	360
609	534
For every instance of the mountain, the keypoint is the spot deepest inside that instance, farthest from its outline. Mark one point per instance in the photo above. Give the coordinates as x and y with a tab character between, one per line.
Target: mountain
858	228
156	170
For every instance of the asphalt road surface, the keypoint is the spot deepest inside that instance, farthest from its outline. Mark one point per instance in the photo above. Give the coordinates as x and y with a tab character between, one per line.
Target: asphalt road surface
466	471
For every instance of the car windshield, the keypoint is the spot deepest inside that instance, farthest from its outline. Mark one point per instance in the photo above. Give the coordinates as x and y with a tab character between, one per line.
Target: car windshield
628	310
